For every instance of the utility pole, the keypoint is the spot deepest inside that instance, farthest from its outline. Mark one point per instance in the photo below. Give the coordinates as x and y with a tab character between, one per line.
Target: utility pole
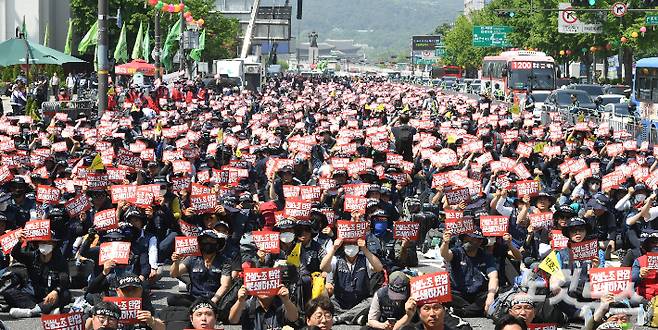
156	51
102	56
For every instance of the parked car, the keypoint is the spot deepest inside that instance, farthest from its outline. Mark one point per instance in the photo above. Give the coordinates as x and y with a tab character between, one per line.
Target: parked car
540	97
615	89
560	100
605	99
591	89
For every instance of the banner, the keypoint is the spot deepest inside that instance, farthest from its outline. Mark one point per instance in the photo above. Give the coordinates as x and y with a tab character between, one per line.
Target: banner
351	231
494	225
187	246
612	180
527	188
8	241
652	260
126	193
189	229
431	288
106	220
541	220
460	226
614	280
129	308
458	195
310	193
406	230
262	281
586	250
267	241
558	241
47	194
355	203
37	230
297	208
204	203
70	321
117	251
77	205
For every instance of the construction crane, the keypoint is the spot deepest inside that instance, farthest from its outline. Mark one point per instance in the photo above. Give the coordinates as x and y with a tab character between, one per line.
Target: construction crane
250	29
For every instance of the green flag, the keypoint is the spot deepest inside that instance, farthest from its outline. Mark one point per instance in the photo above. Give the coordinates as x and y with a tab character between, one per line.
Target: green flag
146	44
121	51
169	45
24	28
91	38
69	37
137	48
45	36
196	53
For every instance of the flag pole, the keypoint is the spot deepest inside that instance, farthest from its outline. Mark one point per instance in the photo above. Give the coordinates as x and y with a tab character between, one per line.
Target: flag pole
102	56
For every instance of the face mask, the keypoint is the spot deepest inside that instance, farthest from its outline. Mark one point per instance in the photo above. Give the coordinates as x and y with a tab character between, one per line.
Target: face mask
351	250
45	248
468	246
287	237
208	248
639	198
379	228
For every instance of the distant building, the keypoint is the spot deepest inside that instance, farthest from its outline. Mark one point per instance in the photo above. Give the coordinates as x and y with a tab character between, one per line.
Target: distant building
341	49
473	5
38	14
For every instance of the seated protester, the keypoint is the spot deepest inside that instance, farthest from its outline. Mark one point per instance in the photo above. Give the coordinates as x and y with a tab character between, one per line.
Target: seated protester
635	225
432	317
538	242
284	176
349	278
602	221
144	245
131	286
4	228
380	238
210	273
610	312
391	305
263	312
104	316
523	307
648	243
203	314
509	322
473	274
645	280
577	230
115	278
310	256
46	287
319	314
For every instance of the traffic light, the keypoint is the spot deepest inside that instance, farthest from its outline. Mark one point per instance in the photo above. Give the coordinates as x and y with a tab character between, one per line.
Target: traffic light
650	3
592	2
506	14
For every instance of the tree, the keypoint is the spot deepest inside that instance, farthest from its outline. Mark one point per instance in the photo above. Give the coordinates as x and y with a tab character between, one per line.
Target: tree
221	31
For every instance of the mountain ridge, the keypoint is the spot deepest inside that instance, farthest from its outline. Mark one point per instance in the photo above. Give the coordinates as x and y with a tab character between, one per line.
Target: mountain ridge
386	26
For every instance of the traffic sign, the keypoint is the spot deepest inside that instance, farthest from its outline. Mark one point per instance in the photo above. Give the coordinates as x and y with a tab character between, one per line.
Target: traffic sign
619	9
569	16
651	20
491	36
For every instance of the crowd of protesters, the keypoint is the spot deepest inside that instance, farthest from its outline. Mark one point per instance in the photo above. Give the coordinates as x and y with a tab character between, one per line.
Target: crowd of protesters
494	194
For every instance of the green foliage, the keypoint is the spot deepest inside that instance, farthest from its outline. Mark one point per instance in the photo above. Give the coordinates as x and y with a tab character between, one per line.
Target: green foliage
538	29
221	31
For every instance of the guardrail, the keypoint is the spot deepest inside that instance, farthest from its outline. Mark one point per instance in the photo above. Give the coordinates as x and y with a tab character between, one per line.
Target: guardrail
636	128
71	108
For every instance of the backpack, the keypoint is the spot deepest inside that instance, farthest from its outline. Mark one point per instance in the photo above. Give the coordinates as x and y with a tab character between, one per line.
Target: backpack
501	304
228	299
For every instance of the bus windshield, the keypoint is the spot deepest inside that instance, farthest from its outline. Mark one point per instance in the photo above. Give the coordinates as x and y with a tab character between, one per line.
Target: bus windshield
533	75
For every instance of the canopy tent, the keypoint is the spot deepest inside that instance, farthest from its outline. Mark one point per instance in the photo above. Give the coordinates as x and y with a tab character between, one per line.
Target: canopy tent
14	52
137	65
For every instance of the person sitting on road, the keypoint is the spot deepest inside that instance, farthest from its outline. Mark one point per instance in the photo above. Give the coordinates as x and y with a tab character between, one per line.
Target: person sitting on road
203	314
